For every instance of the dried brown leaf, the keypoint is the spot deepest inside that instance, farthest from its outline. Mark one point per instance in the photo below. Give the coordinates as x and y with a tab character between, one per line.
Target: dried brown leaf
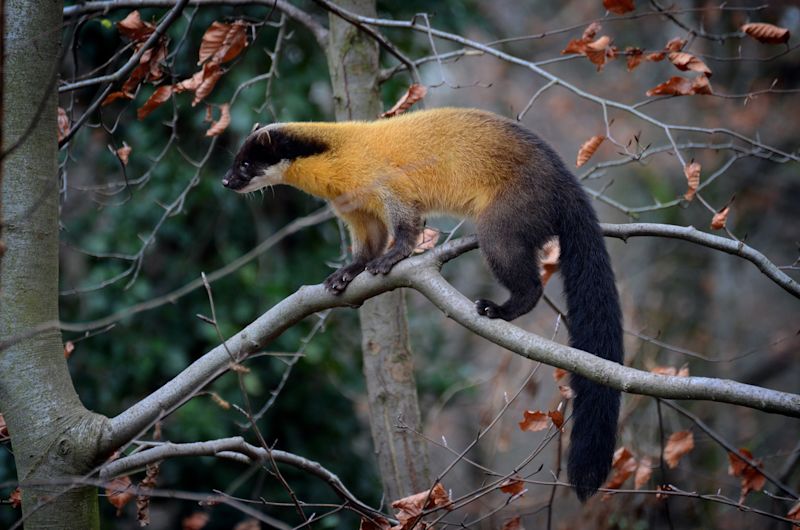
15	498
599	52
217	127
134	28
426	240
513	486
720	218
688	62
767	33
683	371
635	57
678	445
113	96
211	74
515	523
752	478
619	7
692	172
643	472
223	42
189	85
675	45
591	31
118	493
559	373
63	124
158	97
69	347
557	418
623	466
409	508
414	93
588	149
3	428
534	420
655	57
123	153
681	86
195	521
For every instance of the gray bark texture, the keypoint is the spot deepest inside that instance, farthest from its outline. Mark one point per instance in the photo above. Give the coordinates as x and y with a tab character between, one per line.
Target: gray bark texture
53	436
388	363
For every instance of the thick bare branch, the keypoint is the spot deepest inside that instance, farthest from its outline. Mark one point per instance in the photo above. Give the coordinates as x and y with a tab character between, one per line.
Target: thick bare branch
421	273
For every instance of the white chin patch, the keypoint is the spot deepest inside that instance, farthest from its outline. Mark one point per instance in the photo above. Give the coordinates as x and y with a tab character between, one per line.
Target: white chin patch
269	177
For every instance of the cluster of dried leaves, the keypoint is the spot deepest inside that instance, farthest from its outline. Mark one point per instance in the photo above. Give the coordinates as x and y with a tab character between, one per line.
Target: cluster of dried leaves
409	511
221	43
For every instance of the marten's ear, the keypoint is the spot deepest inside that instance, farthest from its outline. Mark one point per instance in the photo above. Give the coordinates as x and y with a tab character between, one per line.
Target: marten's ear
256	125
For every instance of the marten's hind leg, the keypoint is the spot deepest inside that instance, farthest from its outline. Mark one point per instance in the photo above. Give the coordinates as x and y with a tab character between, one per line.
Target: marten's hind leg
511	250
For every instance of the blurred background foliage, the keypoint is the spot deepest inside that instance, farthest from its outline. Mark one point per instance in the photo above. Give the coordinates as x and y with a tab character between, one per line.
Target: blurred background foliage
684	295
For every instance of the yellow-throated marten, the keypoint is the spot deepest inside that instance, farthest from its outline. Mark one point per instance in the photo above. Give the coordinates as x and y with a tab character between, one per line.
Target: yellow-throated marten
383	177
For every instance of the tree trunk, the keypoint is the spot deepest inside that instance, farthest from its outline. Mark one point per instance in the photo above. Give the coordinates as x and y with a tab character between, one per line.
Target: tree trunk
388	363
53	436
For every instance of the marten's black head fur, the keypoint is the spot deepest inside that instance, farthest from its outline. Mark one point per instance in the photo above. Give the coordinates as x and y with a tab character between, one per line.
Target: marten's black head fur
265	155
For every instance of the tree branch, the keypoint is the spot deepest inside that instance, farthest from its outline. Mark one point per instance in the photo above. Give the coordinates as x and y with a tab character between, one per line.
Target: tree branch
422	273
235	448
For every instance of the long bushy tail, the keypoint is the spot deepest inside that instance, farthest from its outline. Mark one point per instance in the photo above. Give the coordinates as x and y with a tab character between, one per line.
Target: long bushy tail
595	325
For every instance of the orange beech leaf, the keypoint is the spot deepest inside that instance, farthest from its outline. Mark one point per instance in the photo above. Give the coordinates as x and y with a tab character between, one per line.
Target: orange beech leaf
195	521
217	127
720	218
794	512
512	486
134	28
118	493
377	523
189	85
3	428
681	86
654	57
591	31
122	153
426	240
69	347
676	44
223	42
686	61
534	420
692	172
559	373
515	523
599	52
619	7
566	391
643	472
766	33
211	74
63	124
679	444
113	96
557	417
752	478
635	57
16	498
588	148
158	97
548	260
414	93
623	466
409	508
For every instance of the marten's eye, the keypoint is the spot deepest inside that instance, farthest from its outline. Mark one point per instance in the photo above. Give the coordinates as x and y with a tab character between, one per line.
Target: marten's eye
245	165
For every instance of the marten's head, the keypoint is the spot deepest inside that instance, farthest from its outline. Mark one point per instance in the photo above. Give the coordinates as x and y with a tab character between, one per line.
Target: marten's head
265	156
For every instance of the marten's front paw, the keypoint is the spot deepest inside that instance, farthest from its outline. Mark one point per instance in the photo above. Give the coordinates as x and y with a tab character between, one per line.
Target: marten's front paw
488	308
339	280
382	265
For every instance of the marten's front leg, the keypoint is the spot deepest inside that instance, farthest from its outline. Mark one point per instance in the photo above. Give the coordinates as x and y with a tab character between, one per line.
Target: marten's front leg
406	225
368	236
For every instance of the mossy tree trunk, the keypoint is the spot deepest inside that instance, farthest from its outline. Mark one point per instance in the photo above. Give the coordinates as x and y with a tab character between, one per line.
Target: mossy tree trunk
388	363
54	438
